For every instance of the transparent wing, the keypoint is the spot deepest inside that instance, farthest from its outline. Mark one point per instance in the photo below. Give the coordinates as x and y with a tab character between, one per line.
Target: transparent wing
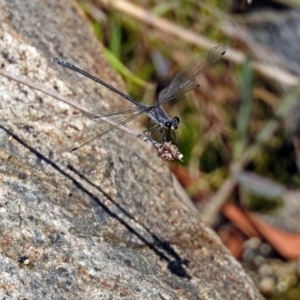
183	81
117	118
164	94
115	110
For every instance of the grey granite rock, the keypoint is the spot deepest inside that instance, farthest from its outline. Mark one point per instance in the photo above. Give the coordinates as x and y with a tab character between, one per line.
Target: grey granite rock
103	222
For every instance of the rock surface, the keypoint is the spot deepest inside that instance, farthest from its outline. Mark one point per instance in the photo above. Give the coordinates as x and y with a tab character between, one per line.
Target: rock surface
103	222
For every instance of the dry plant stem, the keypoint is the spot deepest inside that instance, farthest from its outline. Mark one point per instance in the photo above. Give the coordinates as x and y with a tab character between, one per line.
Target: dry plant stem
277	74
218	200
66	100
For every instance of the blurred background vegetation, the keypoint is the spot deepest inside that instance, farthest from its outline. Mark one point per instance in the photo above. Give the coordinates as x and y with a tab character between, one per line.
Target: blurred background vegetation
239	131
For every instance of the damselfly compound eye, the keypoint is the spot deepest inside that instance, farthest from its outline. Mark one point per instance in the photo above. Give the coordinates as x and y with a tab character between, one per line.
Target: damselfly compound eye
168	124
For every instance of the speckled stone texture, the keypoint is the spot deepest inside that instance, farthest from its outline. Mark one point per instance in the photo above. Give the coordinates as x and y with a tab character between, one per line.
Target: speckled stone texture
103	222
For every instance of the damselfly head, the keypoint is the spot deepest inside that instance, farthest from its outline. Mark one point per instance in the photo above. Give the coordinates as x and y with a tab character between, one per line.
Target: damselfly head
174	123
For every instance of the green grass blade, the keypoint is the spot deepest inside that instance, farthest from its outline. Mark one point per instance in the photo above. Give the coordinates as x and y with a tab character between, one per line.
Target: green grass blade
245	110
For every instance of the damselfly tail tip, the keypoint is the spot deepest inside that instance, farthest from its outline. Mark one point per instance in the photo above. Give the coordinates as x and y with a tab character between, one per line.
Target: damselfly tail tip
57	60
168	151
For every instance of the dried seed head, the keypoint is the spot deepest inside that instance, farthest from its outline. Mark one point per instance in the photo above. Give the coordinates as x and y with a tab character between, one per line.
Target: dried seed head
168	151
